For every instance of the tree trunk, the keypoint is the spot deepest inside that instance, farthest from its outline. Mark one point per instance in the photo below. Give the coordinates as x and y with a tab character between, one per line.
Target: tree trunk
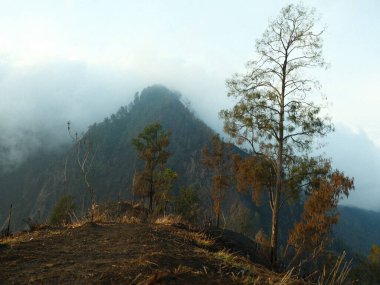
218	215
151	191
279	175
274	234
277	200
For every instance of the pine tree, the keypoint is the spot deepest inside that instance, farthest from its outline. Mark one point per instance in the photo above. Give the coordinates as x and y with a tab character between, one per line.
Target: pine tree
151	146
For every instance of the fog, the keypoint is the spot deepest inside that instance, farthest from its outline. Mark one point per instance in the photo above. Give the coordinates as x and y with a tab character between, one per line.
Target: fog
38	100
354	153
36	103
80	61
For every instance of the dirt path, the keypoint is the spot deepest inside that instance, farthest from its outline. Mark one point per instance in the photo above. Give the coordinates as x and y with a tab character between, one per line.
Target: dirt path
114	254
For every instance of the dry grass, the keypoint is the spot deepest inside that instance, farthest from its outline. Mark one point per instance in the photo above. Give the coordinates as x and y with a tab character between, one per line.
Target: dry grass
250	273
130	253
130	220
169	220
200	239
338	274
43	233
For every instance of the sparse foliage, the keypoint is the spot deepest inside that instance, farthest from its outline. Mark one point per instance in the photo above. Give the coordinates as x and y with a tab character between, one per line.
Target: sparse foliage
312	234
218	161
85	154
274	115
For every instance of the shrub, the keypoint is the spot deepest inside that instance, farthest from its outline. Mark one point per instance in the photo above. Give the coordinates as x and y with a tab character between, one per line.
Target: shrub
187	204
63	211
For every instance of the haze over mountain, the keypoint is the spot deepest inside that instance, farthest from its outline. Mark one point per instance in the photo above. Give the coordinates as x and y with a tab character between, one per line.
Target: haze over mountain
39	181
60	62
34	114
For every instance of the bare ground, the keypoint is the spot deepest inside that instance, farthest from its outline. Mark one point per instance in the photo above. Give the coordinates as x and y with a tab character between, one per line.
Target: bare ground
125	254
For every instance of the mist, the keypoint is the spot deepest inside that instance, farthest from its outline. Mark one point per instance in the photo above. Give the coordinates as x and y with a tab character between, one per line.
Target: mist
37	102
354	153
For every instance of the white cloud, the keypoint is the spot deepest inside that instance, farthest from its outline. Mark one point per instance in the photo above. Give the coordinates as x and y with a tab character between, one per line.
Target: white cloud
356	154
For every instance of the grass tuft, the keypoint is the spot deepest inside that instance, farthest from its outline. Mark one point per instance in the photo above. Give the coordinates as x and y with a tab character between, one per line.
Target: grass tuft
168	220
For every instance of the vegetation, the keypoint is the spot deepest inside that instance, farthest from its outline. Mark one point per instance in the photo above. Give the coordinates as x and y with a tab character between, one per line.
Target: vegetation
274	116
151	147
164	196
218	161
309	237
63	211
187	204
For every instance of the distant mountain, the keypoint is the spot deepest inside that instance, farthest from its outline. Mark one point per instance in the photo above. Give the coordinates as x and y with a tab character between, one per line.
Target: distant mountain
358	228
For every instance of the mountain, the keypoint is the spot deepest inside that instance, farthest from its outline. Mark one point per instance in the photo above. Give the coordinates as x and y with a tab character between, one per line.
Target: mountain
36	185
48	174
358	228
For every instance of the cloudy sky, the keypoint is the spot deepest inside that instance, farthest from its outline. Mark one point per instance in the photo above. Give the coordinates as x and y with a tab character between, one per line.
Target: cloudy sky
80	60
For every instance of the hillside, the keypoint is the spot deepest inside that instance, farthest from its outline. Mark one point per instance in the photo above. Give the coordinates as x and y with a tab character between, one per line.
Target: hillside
36	185
128	254
358	228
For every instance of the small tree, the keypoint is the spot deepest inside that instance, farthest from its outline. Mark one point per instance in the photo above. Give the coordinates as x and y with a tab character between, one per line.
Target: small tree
164	183
63	211
218	160
310	236
273	115
374	255
187	204
151	146
374	263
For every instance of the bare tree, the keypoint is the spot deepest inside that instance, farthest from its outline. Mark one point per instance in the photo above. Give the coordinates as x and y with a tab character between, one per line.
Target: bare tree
274	115
85	154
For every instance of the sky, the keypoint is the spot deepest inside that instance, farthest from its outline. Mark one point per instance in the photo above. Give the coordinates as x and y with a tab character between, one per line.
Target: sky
80	60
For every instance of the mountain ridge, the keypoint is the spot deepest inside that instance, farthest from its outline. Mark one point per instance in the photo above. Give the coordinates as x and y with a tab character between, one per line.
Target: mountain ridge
38	184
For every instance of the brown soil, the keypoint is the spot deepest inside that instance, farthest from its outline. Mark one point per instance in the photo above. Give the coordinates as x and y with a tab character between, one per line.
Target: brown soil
123	254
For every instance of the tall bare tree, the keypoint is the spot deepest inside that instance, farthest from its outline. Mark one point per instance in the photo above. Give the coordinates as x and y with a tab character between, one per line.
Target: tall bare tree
85	154
274	115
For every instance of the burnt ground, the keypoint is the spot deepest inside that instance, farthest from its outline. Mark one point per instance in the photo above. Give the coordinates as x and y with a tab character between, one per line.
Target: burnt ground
125	254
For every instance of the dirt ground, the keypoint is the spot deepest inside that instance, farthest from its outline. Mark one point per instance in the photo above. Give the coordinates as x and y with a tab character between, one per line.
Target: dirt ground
121	254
